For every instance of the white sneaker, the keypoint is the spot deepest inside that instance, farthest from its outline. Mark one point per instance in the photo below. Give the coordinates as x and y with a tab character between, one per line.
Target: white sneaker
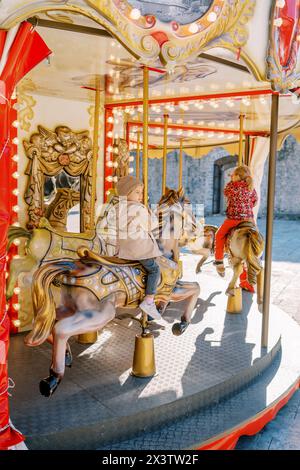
151	310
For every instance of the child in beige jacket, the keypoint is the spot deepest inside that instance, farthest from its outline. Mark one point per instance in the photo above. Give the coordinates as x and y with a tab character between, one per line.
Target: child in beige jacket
134	240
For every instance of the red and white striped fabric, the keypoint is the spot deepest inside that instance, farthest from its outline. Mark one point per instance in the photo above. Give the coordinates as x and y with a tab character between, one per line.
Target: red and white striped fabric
21	48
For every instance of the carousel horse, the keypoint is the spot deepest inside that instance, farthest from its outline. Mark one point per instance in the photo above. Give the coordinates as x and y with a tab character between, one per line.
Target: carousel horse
94	286
244	246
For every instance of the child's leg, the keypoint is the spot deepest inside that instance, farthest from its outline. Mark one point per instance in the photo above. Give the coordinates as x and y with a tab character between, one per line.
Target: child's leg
221	235
153	274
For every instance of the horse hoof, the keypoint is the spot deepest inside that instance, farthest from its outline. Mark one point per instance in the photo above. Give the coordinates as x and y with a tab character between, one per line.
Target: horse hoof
49	385
230	292
68	358
179	328
260	307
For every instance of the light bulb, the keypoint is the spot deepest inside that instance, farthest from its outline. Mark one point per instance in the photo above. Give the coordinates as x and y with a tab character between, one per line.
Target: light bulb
193	28
115	179
15	124
110	164
15	192
212	17
16	242
109	178
280	3
278	22
15	140
17	323
15	158
16	208
16	306
130	170
109	134
110	119
135	14
17	290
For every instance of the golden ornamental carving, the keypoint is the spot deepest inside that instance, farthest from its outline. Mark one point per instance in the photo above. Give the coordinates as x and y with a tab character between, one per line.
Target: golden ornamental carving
51	152
148	39
57	211
121	158
25	110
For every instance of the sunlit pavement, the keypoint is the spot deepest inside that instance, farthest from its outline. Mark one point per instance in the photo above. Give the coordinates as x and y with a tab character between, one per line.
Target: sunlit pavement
283	433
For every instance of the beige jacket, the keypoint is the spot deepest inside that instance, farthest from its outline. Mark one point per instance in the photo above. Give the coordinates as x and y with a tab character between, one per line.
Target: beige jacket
129	227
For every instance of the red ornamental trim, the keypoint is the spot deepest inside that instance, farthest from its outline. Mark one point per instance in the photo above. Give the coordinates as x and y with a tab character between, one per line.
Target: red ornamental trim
251	427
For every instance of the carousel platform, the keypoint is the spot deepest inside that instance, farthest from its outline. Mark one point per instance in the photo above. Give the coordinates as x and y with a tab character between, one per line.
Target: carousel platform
213	383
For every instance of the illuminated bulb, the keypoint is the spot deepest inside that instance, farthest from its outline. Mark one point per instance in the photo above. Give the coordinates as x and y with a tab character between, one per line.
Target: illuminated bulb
15	140
179	121
6	275
200	123
107	193
280	3
17	290
193	28
212	17
110	119
190	133
116	164
140	109
130	170
16	306
15	124
17	323
158	110
179	132
230	103
115	179
15	158
157	131
246	102
131	158
111	57
16	208
135	14
200	106
262	100
191	121
210	134
109	134
220	135
109	179
16	242
158	119
110	164
109	148
16	224
278	22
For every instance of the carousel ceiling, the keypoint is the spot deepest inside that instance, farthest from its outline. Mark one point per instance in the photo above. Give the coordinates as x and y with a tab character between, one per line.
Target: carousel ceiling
212	60
213	81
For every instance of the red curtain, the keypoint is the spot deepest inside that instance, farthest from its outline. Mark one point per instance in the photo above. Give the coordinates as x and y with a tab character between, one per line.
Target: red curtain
27	50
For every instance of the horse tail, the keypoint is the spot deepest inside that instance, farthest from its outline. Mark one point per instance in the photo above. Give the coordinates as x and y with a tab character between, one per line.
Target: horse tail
43	301
253	252
17	232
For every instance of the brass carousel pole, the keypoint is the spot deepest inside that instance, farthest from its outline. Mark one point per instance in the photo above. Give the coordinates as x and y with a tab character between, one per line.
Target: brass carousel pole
269	227
145	131
180	164
247	150
137	158
240	160
144	357
91	337
164	174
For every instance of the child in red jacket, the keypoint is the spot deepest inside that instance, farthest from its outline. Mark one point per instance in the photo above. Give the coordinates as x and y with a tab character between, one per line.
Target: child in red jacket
241	198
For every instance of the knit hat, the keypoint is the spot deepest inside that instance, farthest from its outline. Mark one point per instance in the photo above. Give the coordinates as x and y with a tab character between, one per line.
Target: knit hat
126	184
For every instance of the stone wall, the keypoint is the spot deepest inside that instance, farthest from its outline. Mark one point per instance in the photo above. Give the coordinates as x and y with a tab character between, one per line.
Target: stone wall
198	179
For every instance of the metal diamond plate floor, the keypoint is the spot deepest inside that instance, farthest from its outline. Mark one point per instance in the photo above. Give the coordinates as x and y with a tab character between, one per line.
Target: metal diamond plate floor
99	402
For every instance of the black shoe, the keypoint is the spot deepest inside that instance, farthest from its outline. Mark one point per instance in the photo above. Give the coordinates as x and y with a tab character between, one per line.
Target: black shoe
50	384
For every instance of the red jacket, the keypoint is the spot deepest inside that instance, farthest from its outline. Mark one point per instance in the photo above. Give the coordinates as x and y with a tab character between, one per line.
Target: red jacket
240	200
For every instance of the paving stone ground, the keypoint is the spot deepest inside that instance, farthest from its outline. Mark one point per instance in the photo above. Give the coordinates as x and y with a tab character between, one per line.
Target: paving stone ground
283	433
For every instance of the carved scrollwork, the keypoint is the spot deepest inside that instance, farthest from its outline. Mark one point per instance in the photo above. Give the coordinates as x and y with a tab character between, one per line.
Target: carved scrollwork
49	153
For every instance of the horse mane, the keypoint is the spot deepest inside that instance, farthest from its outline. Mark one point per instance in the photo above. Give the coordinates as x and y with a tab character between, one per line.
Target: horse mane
172	196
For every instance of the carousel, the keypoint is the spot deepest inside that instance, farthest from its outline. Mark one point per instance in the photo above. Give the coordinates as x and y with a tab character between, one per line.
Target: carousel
92	91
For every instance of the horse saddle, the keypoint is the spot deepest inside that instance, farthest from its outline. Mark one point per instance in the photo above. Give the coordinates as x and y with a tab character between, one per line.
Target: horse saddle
244	224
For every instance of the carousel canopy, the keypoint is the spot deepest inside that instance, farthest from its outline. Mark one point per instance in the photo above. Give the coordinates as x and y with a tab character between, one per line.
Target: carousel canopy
210	62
